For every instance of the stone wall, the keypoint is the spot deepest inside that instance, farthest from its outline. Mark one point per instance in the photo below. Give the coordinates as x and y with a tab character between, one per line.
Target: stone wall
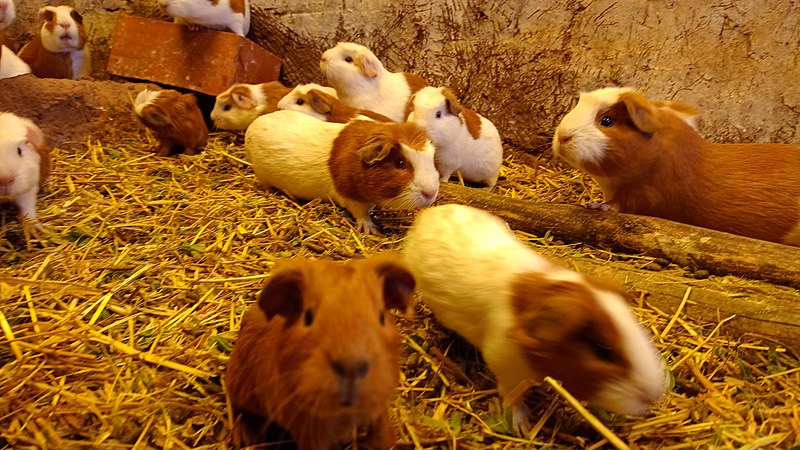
522	63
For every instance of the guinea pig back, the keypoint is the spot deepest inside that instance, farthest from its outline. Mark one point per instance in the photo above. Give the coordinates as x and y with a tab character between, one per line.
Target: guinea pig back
319	354
174	117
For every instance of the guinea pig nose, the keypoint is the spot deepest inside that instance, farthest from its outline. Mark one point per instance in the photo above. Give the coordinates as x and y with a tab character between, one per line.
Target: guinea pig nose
564	138
6	181
351	369
428	195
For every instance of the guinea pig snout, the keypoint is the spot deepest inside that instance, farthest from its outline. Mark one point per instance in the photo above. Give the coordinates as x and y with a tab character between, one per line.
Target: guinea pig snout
350	373
6	183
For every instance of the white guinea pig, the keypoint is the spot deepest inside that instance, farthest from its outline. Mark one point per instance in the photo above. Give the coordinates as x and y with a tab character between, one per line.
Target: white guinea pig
363	83
240	104
7	13
358	165
648	159
464	139
297	99
60	50
24	162
530	317
233	15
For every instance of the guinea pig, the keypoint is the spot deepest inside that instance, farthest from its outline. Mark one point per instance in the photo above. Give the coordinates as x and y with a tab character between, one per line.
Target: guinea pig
649	160
330	109
529	317
358	165
24	163
240	104
363	83
319	355
7	13
297	99
175	118
464	139
60	50
233	15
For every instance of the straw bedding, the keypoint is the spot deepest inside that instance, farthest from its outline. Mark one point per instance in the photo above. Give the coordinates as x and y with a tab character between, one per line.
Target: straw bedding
118	320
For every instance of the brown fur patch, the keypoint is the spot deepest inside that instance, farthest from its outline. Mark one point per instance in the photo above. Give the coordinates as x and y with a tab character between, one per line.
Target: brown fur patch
554	317
641	112
274	91
473	122
385	178
177	121
237	6
336	111
46	64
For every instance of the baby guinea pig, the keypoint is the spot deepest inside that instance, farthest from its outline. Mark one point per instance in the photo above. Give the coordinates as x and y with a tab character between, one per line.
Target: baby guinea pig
363	83
319	355
240	104
24	163
175	118
530	317
648	159
358	165
60	49
330	109
464	139
233	15
297	99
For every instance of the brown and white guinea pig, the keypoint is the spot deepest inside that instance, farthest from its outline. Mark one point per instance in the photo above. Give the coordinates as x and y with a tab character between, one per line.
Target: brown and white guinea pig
233	15
60	50
363	83
330	109
358	165
175	118
648	159
465	141
240	104
297	99
24	163
319	355
530	317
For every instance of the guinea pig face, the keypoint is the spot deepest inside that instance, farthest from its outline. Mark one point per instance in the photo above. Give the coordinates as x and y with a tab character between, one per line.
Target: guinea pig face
62	29
339	349
7	13
238	107
612	362
298	100
20	160
437	111
349	65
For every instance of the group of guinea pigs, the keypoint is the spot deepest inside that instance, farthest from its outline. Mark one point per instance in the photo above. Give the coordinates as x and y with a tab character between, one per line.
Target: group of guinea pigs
381	138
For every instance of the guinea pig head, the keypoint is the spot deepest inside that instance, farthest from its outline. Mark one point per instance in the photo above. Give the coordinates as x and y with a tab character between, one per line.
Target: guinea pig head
62	29
339	351
24	157
387	164
174	117
348	66
237	107
584	335
7	13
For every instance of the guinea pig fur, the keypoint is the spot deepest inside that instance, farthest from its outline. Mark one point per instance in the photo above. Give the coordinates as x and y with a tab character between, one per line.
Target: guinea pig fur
363	83
233	15
331	109
649	160
240	104
175	118
464	139
297	99
60	50
358	165
7	13
530	317
24	163
11	65
319	355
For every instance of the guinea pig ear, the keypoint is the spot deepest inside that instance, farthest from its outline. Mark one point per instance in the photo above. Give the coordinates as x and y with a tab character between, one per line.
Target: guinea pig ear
46	15
319	102
641	111
398	282
376	149
283	295
241	98
368	65
76	16
451	102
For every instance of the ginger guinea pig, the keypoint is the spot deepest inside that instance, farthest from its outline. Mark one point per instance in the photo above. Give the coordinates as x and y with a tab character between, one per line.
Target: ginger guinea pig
60	50
363	83
358	165
233	15
530	317
240	104
24	163
327	107
175	118
648	159
465	141
319	355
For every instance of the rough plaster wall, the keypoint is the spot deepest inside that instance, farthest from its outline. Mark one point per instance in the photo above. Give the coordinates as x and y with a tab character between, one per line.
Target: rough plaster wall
522	63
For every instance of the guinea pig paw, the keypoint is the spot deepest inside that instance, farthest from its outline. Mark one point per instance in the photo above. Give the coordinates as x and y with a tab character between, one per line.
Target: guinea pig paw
520	419
602	207
367	226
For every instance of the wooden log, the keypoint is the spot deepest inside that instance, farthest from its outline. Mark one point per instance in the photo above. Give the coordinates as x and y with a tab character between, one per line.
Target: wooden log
717	252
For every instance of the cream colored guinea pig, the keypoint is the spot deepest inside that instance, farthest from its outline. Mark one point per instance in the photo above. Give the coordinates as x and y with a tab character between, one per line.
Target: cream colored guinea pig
465	141
297	99
358	165
233	15
60	49
648	159
363	83
240	104
530	317
24	163
330	109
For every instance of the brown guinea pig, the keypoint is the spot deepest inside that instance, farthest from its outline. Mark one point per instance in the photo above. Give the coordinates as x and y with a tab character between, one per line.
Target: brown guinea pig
319	355
648	159
174	117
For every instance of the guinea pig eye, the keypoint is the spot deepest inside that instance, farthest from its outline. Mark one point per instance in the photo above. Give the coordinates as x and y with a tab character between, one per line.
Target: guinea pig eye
400	163
606	121
348	59
603	352
308	318
227	107
438	114
19	151
300	101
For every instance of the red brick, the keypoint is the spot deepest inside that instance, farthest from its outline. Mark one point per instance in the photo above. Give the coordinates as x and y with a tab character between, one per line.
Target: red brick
203	61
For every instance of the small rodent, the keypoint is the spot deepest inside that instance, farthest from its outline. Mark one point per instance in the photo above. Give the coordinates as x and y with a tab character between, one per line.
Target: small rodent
326	106
60	49
24	163
232	15
297	99
175	118
240	104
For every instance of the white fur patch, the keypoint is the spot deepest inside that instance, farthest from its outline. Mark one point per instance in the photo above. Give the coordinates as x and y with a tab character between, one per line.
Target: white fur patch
11	65
20	162
145	98
297	99
205	13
